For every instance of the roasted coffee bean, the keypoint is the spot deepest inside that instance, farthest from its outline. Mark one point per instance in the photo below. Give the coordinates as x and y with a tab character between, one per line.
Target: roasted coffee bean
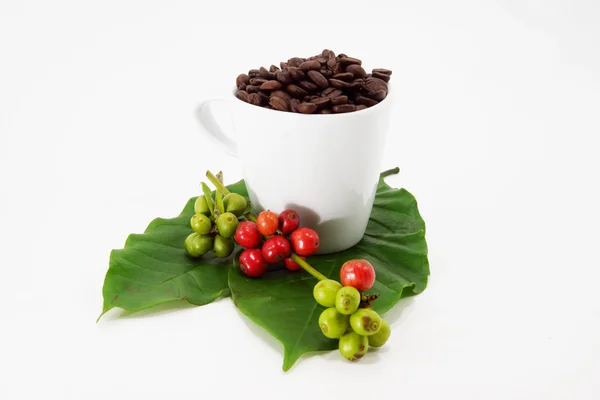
335	93
309	65
242	95
242	79
323	83
327	91
378	95
271	85
337	68
383	77
318	78
257	81
264	97
306	108
344	108
308	86
336	83
279	104
349	60
281	94
365	101
294	105
296	91
374	84
326	73
356	70
383	71
336	101
295	73
266	74
344	76
295	62
356	84
283	77
321	102
255	99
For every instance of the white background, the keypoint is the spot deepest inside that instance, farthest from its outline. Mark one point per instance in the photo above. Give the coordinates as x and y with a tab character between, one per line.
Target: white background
495	132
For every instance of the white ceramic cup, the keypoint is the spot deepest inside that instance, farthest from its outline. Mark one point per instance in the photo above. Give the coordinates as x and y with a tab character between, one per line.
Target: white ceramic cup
324	166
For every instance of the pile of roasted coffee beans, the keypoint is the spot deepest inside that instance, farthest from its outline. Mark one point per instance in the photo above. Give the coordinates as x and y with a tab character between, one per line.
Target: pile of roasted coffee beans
322	84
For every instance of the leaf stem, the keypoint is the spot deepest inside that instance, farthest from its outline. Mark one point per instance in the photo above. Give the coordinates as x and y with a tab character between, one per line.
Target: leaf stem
389	172
307	267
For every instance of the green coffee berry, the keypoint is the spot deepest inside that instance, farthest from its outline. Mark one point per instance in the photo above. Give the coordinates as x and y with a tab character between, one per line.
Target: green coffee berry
332	323
347	300
200	206
324	292
197	245
223	247
201	224
353	346
227	224
235	204
382	336
365	322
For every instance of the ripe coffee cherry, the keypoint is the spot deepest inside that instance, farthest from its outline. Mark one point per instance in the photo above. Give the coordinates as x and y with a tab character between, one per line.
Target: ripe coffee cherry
324	292
353	346
293	265
196	245
252	263
247	235
333	324
347	300
276	249
267	223
288	221
379	339
365	322
358	273
305	241
227	224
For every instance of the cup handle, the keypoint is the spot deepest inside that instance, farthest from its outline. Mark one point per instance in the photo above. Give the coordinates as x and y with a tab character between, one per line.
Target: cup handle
211	129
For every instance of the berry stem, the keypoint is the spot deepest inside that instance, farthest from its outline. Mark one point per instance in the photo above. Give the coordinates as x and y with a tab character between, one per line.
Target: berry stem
219	185
307	267
389	172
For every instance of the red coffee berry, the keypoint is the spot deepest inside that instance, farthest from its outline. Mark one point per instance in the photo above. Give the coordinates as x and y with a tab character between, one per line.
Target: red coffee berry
288	221
252	263
247	235
292	265
359	274
276	249
305	242
267	223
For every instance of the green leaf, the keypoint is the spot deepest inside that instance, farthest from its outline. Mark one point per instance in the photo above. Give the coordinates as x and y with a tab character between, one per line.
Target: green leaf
282	303
154	268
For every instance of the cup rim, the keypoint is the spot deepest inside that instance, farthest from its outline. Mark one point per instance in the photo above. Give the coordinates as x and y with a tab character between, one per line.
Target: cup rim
367	110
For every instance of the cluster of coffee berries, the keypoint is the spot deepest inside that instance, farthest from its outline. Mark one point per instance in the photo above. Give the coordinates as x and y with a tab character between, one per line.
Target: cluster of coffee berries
272	239
348	316
214	223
